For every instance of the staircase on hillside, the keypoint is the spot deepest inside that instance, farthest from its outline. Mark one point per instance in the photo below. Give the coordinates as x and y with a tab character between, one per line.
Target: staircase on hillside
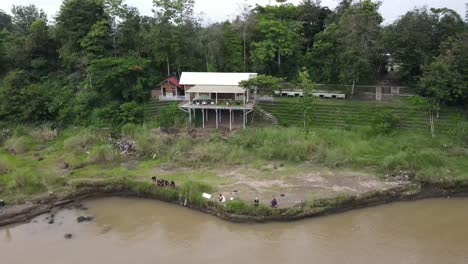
267	116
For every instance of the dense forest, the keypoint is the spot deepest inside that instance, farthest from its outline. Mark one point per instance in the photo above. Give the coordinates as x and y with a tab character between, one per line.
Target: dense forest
95	62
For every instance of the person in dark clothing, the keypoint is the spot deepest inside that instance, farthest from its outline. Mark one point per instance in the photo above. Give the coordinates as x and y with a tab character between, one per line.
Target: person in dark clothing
256	202
2	204
160	182
166	183
274	203
172	185
154	179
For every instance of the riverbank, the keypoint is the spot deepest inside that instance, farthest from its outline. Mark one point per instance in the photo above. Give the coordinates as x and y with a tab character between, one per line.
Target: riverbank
234	211
309	172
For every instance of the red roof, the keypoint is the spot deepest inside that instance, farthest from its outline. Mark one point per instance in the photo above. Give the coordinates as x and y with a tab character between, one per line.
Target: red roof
174	81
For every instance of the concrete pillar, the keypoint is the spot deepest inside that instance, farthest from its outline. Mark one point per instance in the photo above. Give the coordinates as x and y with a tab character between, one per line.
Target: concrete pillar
378	93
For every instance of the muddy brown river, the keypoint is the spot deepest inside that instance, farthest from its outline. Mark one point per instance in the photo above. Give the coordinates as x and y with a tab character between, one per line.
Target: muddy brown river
144	232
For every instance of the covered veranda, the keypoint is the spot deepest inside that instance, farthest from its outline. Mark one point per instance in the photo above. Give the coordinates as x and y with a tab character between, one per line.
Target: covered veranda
218	95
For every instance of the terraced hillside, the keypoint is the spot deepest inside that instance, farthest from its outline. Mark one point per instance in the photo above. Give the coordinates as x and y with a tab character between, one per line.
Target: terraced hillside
154	107
337	113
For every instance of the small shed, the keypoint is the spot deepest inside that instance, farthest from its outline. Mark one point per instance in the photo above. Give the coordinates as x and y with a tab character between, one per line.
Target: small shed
169	89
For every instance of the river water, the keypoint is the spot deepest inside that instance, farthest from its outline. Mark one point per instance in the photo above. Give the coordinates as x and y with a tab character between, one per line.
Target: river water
143	232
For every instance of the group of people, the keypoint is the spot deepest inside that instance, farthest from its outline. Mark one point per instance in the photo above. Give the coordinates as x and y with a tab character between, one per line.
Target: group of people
256	202
163	183
273	203
221	198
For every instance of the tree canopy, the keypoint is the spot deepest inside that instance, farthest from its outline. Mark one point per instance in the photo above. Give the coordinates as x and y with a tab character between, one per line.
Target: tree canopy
97	60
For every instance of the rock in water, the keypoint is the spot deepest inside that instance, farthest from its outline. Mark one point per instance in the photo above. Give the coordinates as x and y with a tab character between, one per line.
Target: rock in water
68	236
84	219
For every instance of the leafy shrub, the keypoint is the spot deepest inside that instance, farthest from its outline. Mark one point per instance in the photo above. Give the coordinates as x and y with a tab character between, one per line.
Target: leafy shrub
103	154
385	122
131	113
20	131
171	116
105	116
419	102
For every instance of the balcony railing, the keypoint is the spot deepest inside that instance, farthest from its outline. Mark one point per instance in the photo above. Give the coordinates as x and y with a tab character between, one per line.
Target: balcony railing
172	98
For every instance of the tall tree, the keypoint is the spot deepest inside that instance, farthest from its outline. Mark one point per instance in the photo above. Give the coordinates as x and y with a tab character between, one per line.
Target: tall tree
175	22
129	32
281	36
40	48
312	17
416	37
74	22
350	49
445	79
5	21
245	23
24	16
233	49
97	42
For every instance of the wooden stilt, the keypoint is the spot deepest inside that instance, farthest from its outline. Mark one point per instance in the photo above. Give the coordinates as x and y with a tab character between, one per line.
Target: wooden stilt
230	120
203	118
190	117
244	120
216	110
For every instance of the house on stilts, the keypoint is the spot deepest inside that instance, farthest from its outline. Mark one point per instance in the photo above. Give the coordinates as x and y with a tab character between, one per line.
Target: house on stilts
216	99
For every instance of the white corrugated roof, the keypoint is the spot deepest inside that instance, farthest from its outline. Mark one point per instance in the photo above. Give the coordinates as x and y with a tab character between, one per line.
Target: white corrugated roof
216	89
214	78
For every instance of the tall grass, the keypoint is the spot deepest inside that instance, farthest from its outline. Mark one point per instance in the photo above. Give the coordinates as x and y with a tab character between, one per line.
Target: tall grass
44	133
3	167
25	180
81	141
103	154
18	145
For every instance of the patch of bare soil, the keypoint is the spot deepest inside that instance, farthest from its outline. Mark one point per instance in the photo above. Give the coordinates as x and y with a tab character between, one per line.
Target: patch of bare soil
293	185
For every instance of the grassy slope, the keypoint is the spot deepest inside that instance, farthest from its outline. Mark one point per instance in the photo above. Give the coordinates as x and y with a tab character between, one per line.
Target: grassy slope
89	156
344	113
